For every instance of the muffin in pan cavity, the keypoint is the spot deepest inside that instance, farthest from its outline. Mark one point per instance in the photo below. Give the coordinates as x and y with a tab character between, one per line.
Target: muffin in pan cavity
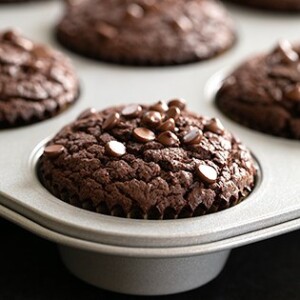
263	93
147	162
275	5
36	82
147	32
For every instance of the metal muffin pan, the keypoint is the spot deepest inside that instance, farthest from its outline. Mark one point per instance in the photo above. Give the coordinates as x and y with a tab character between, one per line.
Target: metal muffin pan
139	256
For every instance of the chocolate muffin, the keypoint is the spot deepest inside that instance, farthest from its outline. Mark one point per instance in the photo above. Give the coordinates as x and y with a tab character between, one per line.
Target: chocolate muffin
36	82
280	5
147	32
154	162
264	92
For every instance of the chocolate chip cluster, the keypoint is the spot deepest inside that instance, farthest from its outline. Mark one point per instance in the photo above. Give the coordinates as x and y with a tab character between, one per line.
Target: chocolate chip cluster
157	123
157	161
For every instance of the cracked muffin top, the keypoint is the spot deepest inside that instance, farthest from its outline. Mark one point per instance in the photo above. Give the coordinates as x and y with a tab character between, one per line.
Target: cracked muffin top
157	161
36	82
147	32
263	93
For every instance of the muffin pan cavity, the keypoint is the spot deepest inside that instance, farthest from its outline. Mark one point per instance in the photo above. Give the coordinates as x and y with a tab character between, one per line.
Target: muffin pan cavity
49	211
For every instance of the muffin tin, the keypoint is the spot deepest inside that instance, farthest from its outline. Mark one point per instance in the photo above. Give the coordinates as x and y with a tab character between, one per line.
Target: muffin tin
140	256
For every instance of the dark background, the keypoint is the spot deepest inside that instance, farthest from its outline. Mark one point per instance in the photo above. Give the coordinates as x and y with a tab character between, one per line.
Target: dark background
31	269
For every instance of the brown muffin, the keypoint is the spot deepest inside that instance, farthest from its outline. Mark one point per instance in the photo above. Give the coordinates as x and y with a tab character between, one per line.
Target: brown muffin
152	162
147	32
263	93
36	82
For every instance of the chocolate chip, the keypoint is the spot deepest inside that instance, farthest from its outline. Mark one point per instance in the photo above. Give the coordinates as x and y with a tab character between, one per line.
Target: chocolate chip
168	138
134	11
131	111
152	119
173	112
207	173
14	37
10	35
215	126
37	65
143	135
160	106
193	137
150	5
107	31
23	43
293	93
180	103
111	121
115	148
87	113
183	24
168	125
286	51
53	151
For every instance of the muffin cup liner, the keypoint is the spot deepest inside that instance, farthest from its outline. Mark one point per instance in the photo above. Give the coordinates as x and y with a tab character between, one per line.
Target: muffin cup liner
136	212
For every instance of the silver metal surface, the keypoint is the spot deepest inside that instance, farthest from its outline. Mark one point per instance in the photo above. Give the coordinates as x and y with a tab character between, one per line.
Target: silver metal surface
144	276
272	209
87	260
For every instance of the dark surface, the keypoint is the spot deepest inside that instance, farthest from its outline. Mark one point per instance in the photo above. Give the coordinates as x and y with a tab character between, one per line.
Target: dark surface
31	269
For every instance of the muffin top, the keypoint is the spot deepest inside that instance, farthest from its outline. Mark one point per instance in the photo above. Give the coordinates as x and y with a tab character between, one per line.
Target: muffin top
264	92
36	82
152	162
147	31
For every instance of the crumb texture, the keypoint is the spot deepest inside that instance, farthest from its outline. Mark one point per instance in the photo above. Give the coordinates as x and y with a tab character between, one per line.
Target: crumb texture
36	82
147	32
150	180
264	92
